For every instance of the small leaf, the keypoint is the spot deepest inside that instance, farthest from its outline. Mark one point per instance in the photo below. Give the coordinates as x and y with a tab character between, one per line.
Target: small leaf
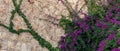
118	35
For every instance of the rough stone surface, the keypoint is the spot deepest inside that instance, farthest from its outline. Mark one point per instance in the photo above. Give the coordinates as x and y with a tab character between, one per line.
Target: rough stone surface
35	10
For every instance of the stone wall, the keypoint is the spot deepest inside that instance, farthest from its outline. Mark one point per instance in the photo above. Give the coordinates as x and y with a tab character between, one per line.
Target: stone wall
44	15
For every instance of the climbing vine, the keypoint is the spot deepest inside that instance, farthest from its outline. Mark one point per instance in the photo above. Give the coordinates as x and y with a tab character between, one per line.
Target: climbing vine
30	30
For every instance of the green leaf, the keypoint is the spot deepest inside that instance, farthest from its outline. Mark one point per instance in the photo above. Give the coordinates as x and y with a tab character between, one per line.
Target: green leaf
118	34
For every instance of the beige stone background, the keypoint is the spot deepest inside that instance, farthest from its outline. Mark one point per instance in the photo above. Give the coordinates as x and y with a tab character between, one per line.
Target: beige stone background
44	15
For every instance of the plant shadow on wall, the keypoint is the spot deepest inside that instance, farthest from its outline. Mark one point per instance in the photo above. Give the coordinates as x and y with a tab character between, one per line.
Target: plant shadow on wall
0	46
98	31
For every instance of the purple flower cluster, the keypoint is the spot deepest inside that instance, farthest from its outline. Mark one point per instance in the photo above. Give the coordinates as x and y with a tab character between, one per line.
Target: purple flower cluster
116	49
111	36
103	43
83	25
101	25
113	15
65	45
91	29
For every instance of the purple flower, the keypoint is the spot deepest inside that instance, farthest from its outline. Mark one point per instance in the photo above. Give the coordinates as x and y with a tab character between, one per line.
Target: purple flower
118	9
115	49
107	18
99	24
72	35
102	45
87	18
86	27
110	14
83	25
62	40
100	49
102	24
62	46
112	36
78	32
115	21
105	26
